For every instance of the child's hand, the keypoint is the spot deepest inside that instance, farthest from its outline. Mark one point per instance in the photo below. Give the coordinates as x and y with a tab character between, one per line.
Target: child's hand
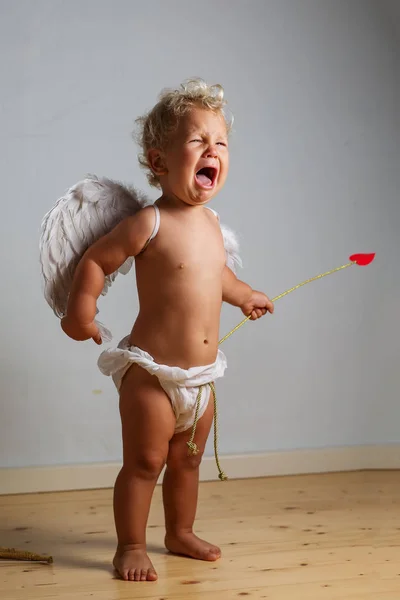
79	332
257	305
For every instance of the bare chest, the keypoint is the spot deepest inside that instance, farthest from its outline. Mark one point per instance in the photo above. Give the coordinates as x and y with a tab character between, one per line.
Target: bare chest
191	246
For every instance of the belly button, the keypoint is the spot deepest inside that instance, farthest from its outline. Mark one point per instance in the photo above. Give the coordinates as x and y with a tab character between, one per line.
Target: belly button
181	266
206	341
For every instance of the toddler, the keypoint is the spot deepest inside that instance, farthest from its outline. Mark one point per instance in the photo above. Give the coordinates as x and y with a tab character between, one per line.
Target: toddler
172	350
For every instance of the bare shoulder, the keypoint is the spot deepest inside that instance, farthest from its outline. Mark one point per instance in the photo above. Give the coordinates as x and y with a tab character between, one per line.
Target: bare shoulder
134	231
129	236
143	219
212	213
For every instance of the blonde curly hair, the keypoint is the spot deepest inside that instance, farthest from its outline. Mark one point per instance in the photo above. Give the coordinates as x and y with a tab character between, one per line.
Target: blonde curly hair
156	126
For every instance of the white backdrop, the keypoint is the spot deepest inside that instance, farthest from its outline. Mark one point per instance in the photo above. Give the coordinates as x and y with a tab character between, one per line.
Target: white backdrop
314	87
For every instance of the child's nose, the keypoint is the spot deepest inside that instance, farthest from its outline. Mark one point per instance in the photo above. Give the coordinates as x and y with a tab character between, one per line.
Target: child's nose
211	152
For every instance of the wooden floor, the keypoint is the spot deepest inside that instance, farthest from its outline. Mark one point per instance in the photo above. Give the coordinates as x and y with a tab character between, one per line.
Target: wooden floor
319	537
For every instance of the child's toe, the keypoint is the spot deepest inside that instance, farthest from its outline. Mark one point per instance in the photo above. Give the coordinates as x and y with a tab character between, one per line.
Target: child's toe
151	575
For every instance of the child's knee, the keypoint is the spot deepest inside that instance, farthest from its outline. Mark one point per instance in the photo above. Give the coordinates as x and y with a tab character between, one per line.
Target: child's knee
146	464
184	460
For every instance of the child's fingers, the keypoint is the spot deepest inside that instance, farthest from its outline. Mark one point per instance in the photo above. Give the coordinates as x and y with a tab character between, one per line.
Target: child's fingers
257	313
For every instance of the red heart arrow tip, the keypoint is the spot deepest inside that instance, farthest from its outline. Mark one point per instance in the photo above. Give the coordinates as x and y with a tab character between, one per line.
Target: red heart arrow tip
362	259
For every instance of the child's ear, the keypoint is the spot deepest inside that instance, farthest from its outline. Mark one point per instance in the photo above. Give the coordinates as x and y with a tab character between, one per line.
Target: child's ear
157	162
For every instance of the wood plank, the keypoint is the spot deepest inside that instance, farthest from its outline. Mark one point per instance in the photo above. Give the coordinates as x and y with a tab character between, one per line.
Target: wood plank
309	537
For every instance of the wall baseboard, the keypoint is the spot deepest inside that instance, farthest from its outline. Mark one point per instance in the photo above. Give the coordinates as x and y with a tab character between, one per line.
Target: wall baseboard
292	462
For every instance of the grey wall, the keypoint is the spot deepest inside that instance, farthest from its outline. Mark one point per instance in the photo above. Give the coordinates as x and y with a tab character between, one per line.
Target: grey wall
314	86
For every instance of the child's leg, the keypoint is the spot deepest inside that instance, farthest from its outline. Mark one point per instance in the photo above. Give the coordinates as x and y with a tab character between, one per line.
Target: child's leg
148	424
180	492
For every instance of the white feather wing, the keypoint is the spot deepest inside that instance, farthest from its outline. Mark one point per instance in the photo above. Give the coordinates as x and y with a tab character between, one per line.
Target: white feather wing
231	244
89	210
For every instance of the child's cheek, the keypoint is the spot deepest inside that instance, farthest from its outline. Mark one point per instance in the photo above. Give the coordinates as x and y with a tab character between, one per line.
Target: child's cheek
187	154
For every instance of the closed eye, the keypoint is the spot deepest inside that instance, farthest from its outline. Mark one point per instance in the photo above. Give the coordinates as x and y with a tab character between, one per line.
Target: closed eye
218	143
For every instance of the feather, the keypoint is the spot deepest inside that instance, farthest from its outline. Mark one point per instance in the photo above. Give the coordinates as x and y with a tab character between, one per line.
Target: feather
231	244
89	210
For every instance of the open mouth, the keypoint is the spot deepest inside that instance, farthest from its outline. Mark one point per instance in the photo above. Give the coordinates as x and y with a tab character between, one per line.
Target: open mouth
206	177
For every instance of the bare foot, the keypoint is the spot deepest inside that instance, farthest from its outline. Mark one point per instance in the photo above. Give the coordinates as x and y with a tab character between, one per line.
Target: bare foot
133	564
188	544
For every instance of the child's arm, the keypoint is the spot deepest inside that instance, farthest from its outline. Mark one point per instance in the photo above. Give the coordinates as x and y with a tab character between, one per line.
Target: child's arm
103	258
240	294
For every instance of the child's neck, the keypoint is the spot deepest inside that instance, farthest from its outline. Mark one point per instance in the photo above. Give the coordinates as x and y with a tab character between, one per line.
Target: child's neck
173	202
